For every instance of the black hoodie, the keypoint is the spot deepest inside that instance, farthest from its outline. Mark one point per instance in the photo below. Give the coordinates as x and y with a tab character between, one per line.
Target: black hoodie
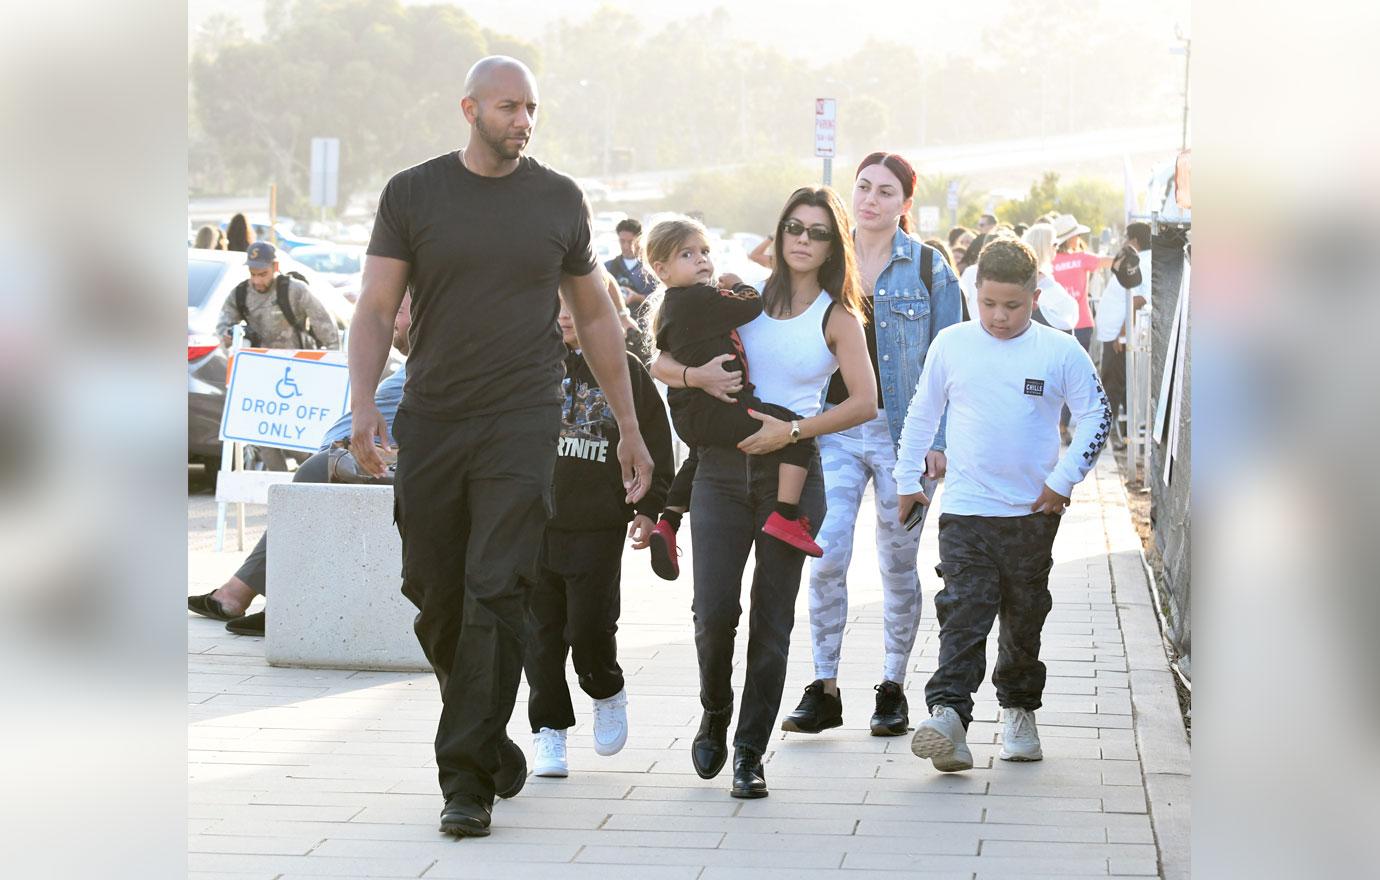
589	481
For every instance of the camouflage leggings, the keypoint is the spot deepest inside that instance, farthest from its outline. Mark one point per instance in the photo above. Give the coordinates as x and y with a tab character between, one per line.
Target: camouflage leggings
851	458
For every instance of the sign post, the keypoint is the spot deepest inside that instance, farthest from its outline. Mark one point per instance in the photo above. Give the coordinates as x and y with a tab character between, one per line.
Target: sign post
826	134
325	172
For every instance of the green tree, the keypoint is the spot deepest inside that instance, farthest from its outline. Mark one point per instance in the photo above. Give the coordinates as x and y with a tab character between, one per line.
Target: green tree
384	78
745	199
1096	203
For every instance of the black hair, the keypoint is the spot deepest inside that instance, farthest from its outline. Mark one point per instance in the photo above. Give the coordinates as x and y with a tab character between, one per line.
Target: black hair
1139	233
628	225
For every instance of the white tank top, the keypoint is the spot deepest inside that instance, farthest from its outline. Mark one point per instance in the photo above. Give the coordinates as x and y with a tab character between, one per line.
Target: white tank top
788	358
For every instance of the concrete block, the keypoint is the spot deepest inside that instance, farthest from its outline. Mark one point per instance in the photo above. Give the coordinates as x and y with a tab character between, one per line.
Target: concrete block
334	578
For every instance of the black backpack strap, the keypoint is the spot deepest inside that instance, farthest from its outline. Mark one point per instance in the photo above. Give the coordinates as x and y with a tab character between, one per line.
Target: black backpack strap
829	310
285	305
927	267
242	299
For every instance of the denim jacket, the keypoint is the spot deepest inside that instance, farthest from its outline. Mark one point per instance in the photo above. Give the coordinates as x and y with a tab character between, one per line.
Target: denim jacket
908	318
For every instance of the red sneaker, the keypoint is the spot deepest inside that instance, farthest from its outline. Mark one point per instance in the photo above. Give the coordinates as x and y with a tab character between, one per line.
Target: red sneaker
795	532
665	556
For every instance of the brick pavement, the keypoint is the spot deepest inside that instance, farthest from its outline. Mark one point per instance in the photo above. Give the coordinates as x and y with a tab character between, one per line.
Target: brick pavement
329	774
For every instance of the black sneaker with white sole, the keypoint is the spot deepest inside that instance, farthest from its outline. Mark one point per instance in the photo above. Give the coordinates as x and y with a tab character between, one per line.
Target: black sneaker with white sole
892	717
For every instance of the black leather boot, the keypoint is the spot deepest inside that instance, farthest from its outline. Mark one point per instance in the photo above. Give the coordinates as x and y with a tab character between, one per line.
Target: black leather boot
709	750
817	711
892	717
749	780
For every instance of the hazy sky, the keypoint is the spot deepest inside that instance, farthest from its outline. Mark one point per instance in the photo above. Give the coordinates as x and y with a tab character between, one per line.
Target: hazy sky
808	28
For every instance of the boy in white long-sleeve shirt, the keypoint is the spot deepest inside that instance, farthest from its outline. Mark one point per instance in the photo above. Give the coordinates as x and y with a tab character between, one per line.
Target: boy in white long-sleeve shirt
1004	380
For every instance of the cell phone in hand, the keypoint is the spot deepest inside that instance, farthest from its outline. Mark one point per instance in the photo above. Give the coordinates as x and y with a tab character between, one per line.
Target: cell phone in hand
917	513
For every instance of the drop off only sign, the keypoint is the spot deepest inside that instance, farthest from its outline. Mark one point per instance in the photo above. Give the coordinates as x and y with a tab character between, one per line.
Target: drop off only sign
285	399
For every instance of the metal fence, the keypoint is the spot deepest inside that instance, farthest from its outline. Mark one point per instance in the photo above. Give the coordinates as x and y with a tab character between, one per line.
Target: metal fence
1170	403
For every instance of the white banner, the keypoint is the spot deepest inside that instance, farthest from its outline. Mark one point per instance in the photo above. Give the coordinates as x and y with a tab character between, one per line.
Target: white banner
285	399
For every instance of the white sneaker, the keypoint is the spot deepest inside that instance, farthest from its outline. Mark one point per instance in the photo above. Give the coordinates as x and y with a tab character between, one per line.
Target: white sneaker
611	724
942	739
549	748
1020	741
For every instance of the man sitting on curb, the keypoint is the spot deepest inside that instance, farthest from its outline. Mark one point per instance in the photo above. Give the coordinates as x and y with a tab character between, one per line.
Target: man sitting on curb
231	599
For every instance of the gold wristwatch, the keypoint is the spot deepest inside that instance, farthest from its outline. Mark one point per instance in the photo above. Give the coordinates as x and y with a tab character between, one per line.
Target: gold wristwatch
795	430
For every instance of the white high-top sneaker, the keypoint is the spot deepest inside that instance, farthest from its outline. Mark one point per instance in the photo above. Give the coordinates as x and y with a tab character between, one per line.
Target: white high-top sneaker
549	748
611	724
942	739
1020	741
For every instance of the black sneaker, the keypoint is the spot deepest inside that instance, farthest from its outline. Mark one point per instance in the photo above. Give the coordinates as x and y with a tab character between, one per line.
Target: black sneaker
465	815
892	717
817	711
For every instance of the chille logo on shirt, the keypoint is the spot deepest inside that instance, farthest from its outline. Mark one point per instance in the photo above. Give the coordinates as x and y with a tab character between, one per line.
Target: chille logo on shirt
1035	387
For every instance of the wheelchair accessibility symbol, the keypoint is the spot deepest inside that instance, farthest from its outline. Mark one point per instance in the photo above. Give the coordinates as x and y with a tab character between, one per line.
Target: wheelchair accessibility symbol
287	386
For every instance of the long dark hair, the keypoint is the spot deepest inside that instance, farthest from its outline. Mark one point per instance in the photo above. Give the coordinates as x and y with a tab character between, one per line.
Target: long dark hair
239	234
839	273
904	172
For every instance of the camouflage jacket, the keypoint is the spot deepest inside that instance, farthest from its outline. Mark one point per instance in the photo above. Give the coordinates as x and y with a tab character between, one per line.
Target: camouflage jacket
266	320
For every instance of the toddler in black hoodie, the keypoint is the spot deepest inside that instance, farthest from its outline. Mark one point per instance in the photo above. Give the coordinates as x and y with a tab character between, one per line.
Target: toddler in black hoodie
574	604
697	322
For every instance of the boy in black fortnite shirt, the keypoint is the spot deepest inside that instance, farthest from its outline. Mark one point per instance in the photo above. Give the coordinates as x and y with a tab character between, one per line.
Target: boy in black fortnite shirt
574	605
697	322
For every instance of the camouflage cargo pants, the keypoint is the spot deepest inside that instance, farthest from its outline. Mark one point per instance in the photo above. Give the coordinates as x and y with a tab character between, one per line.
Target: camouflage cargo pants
851	458
994	567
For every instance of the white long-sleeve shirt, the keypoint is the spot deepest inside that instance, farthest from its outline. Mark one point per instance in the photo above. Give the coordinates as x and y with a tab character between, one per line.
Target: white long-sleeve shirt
1004	397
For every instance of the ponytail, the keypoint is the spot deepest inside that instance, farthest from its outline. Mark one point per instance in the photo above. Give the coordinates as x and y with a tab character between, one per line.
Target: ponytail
906	225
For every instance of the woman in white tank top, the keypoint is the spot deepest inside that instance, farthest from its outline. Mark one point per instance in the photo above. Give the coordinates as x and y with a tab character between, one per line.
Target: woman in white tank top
810	326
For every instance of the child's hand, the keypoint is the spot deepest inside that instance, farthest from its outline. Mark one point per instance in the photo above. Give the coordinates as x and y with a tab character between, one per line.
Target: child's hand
906	502
641	532
1050	502
728	281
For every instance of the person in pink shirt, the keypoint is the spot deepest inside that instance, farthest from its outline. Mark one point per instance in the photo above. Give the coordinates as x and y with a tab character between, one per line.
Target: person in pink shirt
1072	267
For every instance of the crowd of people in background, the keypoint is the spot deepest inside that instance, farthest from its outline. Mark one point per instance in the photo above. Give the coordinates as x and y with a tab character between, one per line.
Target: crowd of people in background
531	443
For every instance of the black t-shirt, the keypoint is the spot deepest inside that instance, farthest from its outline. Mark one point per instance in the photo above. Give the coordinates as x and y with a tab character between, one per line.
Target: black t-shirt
838	391
486	256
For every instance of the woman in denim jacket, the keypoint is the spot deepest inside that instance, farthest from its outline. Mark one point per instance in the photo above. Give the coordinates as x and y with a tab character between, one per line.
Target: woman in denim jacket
904	313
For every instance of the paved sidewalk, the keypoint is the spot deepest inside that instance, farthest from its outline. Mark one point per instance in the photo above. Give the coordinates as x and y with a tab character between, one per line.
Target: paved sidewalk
321	773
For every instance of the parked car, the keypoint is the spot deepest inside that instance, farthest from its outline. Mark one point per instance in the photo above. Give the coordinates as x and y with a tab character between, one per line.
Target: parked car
340	264
211	276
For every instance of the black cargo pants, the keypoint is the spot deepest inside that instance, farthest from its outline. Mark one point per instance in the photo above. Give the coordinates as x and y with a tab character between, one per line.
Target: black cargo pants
471	500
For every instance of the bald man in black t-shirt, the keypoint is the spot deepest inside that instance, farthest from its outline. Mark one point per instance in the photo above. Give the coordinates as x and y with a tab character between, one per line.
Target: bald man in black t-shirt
485	236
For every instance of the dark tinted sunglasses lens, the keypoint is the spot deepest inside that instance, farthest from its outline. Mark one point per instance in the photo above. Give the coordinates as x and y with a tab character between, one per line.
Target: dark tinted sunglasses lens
792	227
817	234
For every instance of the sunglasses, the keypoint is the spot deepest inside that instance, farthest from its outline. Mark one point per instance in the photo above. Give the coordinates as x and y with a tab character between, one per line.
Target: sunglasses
793	228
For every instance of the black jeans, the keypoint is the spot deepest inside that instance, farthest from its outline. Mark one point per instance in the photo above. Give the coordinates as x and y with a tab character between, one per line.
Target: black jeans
254	571
573	608
1114	377
732	497
471	500
993	567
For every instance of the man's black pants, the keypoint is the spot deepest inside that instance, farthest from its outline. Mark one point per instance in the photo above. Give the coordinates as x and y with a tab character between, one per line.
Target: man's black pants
254	571
573	608
993	567
471	499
